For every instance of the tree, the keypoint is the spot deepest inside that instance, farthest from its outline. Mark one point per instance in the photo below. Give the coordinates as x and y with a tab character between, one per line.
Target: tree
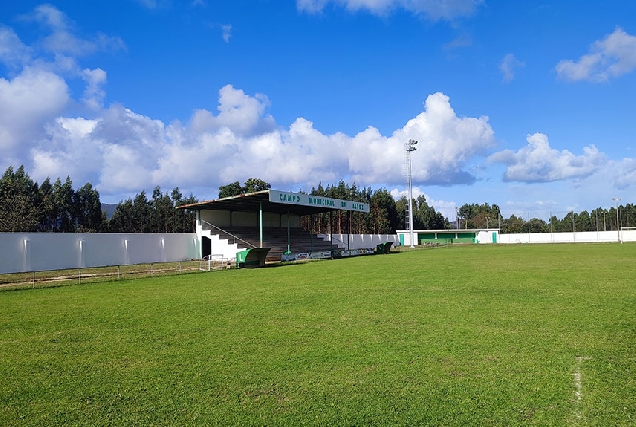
536	225
63	195
479	216
229	190
122	219
19	201
252	185
425	217
88	209
158	215
383	212
48	210
514	224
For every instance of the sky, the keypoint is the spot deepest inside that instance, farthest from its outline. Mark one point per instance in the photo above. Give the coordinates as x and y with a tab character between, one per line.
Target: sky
529	105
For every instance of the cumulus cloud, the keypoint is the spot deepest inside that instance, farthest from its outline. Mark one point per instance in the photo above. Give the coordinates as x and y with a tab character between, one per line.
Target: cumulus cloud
433	9
613	56
538	162
94	93
508	65
446	144
65	152
241	113
122	151
27	102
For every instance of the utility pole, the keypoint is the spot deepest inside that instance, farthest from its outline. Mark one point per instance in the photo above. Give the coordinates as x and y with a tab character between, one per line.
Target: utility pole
409	147
456	218
618	225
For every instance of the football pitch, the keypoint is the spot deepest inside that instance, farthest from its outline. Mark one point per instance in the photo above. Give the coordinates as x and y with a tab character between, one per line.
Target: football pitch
457	336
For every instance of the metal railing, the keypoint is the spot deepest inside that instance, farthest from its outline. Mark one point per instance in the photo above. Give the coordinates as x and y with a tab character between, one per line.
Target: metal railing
229	234
214	262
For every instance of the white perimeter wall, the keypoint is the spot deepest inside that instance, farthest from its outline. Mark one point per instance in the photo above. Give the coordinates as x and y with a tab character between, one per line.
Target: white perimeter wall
21	252
581	237
361	241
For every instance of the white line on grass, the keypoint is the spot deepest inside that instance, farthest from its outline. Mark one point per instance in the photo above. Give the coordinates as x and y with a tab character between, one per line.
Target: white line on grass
578	385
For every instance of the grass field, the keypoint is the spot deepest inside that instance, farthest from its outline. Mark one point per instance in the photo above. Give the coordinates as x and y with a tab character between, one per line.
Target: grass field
473	335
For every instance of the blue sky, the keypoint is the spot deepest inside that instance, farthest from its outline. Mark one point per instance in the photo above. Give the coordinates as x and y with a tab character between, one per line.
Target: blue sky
529	105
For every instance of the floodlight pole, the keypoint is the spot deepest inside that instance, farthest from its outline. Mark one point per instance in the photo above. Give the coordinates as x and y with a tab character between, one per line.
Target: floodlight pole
618	225
409	147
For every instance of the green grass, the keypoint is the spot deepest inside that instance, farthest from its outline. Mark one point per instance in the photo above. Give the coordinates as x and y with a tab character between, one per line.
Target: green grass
474	335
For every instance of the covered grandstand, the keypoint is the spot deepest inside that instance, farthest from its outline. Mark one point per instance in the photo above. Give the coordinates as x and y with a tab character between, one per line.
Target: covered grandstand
265	219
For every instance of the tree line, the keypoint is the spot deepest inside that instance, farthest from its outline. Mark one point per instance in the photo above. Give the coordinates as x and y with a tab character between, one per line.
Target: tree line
599	219
385	217
26	206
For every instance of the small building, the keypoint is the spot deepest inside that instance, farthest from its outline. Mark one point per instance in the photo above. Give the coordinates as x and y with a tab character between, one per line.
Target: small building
445	237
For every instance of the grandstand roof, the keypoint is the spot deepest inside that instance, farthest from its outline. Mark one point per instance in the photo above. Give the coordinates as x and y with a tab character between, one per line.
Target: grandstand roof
251	203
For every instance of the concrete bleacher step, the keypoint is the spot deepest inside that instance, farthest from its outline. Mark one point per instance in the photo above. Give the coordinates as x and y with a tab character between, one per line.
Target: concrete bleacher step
277	239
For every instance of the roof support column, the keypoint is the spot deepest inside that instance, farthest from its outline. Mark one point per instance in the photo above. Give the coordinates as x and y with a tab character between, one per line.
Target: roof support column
349	235
260	223
288	235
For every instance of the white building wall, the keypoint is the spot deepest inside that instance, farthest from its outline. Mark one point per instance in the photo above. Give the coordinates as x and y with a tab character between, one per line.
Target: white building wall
580	237
485	236
21	252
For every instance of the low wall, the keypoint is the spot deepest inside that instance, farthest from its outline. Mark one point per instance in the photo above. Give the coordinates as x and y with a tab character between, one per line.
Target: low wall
360	241
580	237
22	252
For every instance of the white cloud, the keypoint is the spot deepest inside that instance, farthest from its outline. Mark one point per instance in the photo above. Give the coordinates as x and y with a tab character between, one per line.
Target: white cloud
121	151
613	56
94	94
62	39
433	9
446	144
508	66
240	113
538	162
27	102
65	152
226	32
624	173
12	51
445	207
